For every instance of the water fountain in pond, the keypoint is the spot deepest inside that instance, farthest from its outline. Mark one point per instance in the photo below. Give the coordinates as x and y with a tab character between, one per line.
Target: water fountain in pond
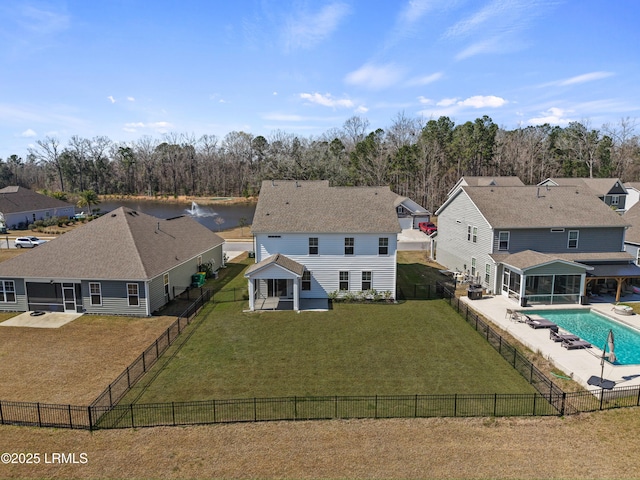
198	211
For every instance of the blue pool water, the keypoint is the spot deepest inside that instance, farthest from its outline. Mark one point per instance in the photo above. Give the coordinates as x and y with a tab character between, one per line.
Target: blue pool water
594	328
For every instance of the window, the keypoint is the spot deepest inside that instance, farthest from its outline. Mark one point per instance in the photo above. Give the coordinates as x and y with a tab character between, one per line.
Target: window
573	239
344	281
638	257
487	274
313	246
7	291
306	280
349	242
165	279
472	234
366	281
132	294
95	292
199	262
615	200
503	241
473	267
383	246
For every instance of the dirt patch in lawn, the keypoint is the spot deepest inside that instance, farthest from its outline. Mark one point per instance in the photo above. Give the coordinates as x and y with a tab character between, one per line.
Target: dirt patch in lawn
600	445
74	363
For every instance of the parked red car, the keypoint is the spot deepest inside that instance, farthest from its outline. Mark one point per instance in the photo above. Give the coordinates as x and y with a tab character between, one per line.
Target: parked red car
428	227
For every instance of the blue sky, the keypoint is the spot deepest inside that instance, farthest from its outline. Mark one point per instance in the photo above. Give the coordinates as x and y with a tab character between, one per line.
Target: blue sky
127	68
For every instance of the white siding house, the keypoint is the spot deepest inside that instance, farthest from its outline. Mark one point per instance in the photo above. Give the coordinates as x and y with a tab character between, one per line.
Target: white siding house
318	240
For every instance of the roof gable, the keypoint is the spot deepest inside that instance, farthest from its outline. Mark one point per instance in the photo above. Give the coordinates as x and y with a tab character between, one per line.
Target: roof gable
121	245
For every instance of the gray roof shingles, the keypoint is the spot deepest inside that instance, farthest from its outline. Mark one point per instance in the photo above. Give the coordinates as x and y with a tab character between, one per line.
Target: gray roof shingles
121	245
315	207
540	207
19	199
280	260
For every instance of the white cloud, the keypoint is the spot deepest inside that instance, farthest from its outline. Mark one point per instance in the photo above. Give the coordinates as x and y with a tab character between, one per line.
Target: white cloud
447	102
159	127
415	10
131	99
554	116
275	94
327	100
375	77
587	77
111	99
28	133
305	30
425	80
425	100
362	109
480	101
42	21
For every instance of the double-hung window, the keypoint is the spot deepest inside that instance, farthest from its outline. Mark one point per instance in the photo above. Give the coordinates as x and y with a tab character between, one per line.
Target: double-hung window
473	267
349	243
573	239
472	234
383	246
366	281
344	281
306	280
7	291
95	293
313	245
132	294
503	241
487	273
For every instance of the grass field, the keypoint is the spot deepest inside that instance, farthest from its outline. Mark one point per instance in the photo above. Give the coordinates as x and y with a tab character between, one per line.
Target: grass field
415	347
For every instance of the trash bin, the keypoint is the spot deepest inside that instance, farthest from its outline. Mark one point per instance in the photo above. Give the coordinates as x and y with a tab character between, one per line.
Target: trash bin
474	292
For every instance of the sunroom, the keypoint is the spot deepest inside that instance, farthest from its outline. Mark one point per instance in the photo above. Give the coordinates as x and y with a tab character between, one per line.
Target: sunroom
274	284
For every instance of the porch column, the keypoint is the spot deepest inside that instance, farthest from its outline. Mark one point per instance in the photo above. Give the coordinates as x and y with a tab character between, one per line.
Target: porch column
296	294
252	297
523	284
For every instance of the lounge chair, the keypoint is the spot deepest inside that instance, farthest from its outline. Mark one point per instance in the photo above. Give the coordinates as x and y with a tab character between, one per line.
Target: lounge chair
562	337
576	344
536	321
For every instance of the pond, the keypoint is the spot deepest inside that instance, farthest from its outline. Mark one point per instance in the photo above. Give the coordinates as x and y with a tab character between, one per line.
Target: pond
216	217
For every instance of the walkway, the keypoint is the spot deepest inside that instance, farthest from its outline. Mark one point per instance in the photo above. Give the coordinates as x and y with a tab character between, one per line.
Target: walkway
578	364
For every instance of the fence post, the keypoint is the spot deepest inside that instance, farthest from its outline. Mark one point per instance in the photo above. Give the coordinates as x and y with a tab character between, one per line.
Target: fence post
39	417
70	419
495	404
90	419
637	403
173	413
295	407
531	372
335	415
110	399
415	407
144	363
157	352
214	412
133	423
564	399
500	344
375	410
455	404
535	397
1	415
128	379
255	404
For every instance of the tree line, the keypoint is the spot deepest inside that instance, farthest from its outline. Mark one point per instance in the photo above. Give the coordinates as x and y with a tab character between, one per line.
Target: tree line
416	158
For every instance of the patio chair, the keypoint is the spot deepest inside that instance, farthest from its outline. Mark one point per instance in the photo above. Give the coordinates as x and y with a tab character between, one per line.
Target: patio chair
536	321
576	344
562	337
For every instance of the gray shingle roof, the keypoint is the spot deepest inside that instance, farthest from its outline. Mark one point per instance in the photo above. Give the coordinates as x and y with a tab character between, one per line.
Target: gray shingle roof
540	207
529	258
632	216
121	245
506	181
315	207
600	186
280	260
19	199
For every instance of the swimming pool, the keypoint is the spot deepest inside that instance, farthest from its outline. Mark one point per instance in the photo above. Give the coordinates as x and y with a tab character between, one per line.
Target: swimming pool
594	328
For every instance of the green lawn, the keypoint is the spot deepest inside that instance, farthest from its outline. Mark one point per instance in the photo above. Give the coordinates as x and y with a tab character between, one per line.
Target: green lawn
415	347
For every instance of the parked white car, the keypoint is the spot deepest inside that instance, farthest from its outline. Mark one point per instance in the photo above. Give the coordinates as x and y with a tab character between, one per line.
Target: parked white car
28	242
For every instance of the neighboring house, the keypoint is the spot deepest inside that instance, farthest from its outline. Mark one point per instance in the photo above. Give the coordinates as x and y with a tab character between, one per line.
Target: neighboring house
410	214
124	262
632	237
469	181
21	207
633	194
610	190
532	244
312	240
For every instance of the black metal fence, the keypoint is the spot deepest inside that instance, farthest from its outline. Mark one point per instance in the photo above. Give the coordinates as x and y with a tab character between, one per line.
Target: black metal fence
104	413
128	378
419	292
231	295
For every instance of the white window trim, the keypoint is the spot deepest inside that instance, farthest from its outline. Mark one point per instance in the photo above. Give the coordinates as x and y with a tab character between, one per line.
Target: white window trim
474	269
340	280
500	241
316	246
130	295
487	273
352	246
370	281
380	240
569	239
91	294
3	292
166	281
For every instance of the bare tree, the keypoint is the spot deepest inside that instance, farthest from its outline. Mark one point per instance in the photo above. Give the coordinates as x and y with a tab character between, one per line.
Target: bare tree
48	153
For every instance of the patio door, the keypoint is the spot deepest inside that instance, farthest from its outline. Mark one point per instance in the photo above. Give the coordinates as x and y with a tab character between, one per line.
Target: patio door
277	287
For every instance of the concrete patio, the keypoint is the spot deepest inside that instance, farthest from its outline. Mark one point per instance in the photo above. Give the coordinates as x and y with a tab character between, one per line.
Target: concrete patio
578	364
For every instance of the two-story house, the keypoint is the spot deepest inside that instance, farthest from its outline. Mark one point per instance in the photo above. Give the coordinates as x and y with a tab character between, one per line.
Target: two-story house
533	244
610	190
312	240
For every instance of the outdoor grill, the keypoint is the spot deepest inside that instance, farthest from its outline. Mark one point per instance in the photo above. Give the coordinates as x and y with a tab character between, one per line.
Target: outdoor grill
474	292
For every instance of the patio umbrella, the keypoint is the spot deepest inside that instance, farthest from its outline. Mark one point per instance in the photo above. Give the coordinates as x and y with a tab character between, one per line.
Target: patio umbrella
612	355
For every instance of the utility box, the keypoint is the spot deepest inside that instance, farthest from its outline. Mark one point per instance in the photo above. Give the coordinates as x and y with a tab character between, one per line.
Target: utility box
474	292
198	279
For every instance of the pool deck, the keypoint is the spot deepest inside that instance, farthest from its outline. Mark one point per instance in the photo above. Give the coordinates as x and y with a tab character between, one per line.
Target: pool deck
579	364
